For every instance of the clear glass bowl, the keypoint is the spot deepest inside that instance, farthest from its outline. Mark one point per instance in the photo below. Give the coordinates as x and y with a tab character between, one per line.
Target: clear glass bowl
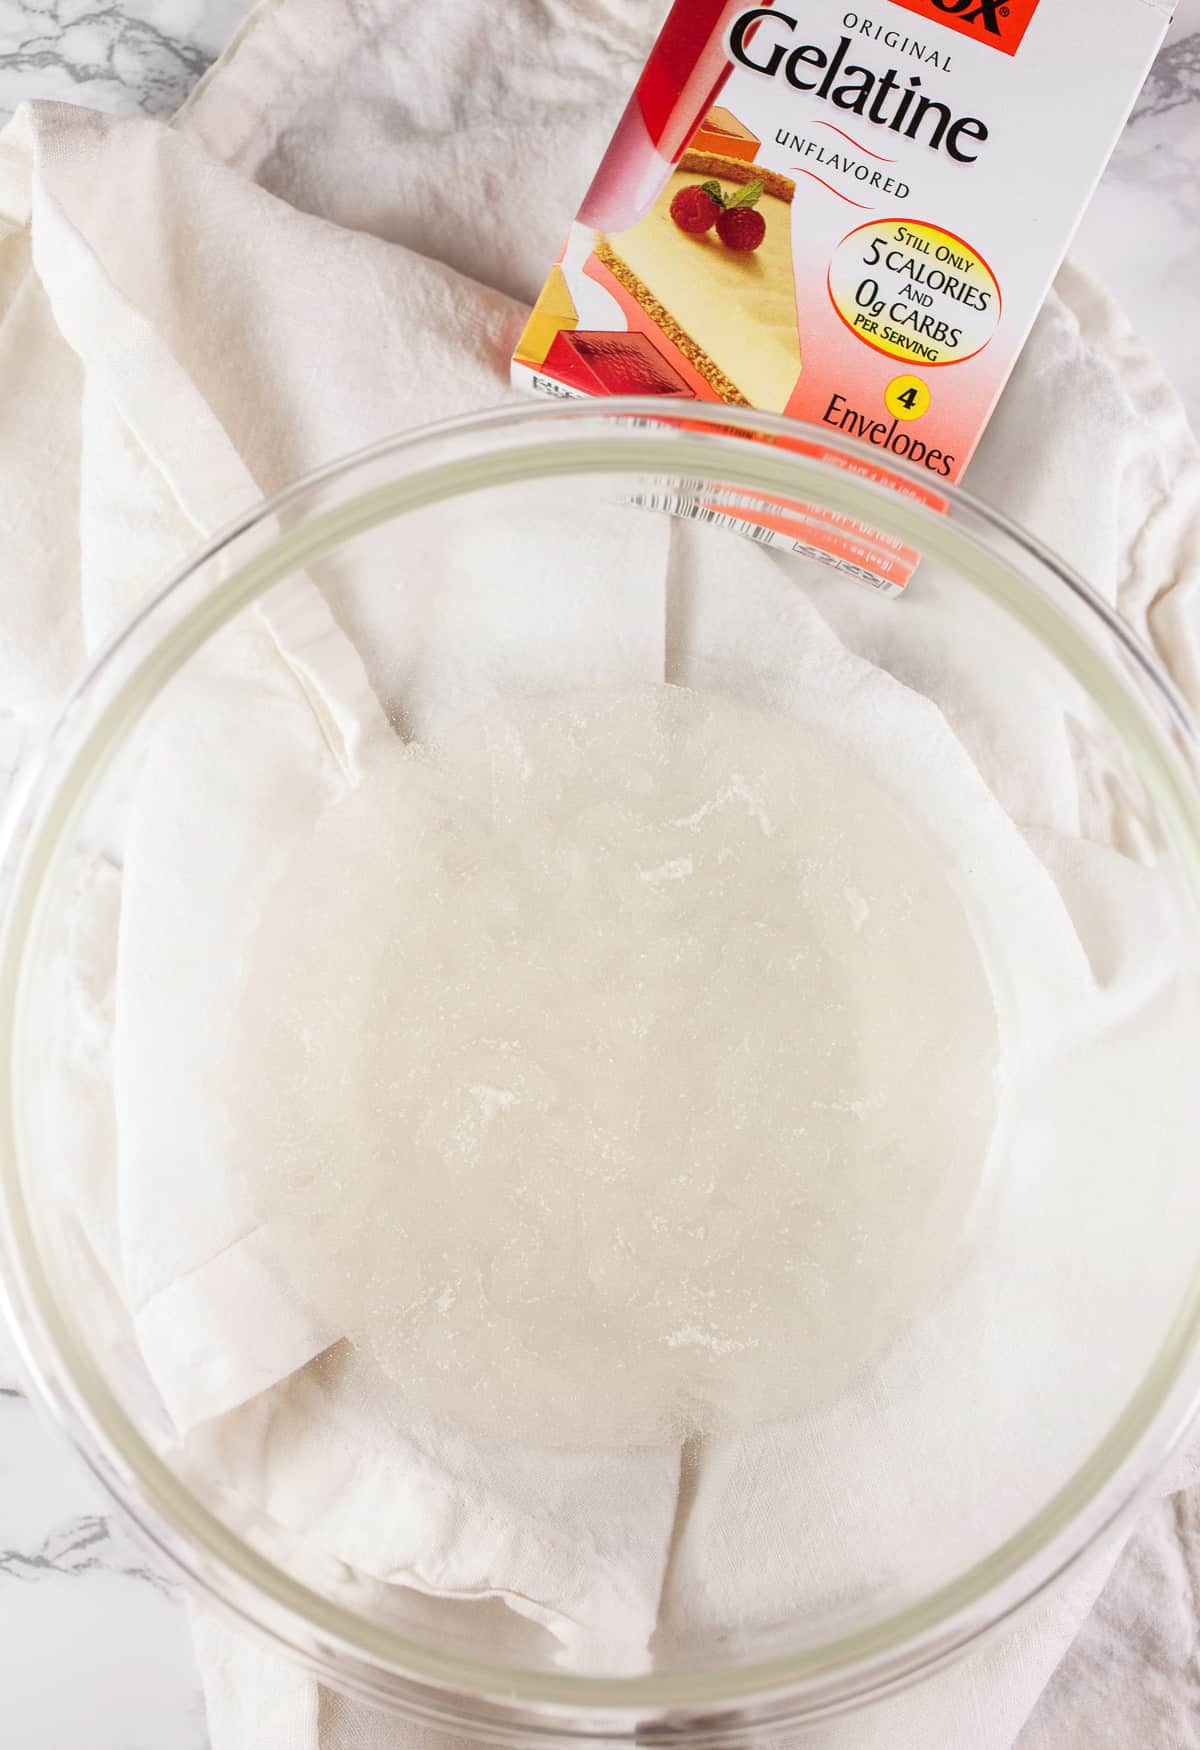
1006	1418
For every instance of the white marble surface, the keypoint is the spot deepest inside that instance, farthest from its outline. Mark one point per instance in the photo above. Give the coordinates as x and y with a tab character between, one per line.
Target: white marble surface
94	1651
94	1645
131	57
1141	235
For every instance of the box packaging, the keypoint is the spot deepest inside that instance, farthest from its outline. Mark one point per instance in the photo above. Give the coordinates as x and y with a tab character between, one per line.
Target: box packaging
849	216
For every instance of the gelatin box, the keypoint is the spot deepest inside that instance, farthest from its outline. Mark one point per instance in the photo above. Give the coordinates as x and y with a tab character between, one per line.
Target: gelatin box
847	216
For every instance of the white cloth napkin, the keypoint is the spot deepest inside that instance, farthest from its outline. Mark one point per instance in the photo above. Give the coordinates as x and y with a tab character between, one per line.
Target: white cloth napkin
177	340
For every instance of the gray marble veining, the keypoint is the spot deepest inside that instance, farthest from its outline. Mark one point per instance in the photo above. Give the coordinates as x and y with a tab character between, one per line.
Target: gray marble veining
132	57
94	1645
81	1546
1175	77
1141	234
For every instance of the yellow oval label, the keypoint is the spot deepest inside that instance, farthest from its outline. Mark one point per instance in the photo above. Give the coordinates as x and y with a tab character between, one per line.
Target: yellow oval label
914	291
907	397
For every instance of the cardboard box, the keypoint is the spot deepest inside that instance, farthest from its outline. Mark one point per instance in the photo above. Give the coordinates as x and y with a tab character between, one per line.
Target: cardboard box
859	233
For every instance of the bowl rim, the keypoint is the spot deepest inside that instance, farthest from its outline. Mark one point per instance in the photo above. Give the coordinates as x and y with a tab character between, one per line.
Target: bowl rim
339	1645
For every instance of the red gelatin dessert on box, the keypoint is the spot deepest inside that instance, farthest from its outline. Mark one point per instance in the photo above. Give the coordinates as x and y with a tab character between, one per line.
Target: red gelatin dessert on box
721	131
611	364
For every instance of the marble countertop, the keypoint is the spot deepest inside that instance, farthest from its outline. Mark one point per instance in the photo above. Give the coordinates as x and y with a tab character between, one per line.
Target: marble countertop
94	1649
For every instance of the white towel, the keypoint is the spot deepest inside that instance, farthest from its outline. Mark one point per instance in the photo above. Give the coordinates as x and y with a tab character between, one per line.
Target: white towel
196	315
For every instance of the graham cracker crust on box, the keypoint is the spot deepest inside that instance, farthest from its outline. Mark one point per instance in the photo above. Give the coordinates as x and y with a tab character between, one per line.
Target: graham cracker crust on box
662	318
737	170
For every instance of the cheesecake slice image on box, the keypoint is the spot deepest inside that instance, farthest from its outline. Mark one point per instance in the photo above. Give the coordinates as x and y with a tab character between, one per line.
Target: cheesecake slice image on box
730	314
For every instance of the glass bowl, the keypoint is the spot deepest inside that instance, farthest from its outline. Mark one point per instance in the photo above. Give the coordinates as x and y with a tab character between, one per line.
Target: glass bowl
1006	1350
